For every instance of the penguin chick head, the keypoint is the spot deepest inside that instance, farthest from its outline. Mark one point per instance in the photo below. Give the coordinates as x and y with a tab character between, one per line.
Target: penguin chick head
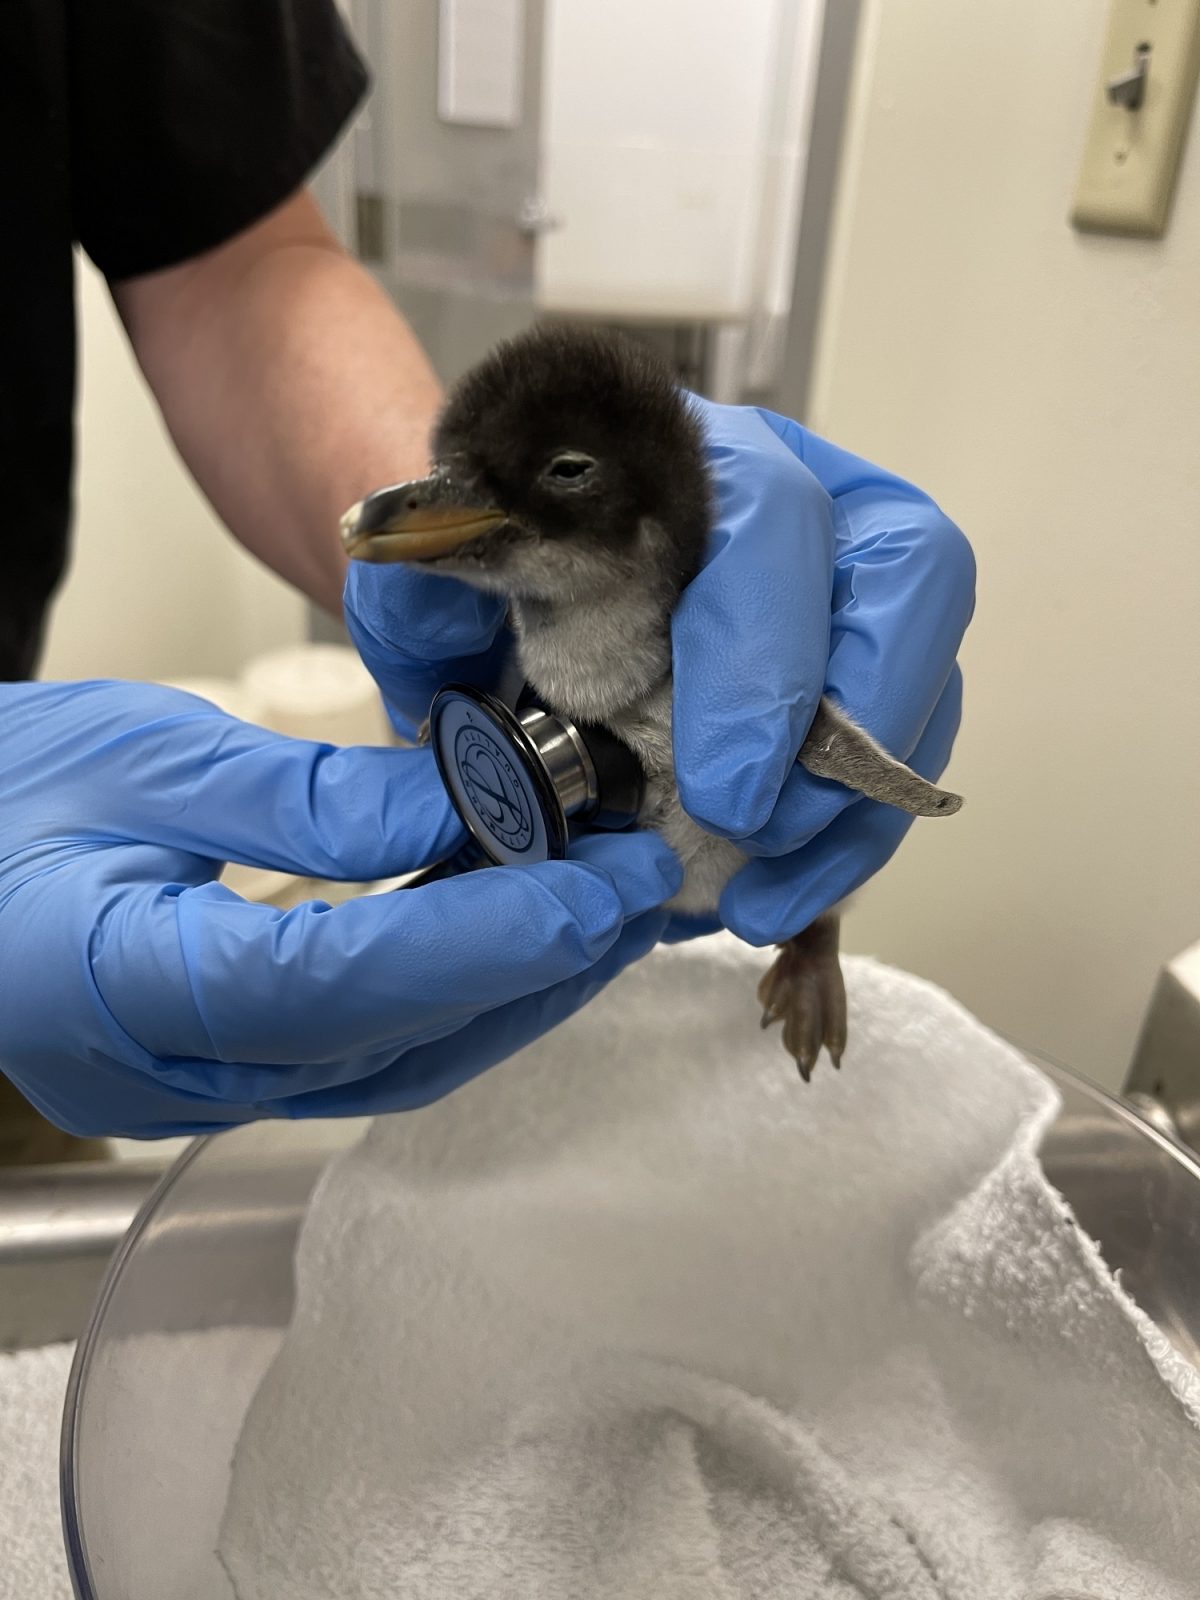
565	464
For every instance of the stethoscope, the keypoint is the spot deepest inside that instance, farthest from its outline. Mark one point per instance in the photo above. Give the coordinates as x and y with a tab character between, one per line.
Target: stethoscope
525	781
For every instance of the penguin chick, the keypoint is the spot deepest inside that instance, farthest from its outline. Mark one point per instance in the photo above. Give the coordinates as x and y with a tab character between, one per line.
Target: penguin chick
570	477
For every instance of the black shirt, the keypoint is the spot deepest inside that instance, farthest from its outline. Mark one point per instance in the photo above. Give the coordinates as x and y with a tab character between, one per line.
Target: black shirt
147	131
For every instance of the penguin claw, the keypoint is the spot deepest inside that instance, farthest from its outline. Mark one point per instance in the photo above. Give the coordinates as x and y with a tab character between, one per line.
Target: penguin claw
804	991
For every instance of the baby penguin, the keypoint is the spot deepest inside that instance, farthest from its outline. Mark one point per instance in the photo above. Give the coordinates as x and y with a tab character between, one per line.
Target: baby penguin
570	477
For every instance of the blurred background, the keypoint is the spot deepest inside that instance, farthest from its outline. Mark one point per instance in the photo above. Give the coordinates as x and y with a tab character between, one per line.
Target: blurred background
858	214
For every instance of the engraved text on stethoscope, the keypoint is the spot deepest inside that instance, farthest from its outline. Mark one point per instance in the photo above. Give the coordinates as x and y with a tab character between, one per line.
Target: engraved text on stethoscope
494	789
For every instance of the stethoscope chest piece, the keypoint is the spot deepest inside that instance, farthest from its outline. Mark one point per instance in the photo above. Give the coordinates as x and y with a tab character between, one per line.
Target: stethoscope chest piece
522	781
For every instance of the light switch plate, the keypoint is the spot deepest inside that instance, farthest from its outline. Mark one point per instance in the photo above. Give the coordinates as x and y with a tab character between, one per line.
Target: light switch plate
1132	156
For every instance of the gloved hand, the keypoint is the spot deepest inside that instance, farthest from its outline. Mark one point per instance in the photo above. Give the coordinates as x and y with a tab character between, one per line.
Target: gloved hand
824	574
138	996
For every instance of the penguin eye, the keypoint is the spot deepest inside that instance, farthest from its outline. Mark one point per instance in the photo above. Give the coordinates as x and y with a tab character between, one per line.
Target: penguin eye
569	469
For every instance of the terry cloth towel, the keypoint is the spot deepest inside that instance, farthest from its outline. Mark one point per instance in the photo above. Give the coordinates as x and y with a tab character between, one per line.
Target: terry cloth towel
32	1385
172	1408
638	1316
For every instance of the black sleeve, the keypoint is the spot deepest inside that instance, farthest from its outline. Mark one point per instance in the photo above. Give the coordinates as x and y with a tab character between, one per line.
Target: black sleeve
192	119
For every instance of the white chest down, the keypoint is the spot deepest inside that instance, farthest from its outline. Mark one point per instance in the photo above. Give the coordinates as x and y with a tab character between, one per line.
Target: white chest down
611	664
708	862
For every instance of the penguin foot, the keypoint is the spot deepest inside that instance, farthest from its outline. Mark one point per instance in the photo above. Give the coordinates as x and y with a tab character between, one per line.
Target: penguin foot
804	991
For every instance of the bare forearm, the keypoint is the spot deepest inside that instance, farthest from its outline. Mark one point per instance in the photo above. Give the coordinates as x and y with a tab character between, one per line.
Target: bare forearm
290	385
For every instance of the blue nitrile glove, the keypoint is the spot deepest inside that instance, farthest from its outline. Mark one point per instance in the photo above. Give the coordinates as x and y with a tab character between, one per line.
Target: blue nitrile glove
138	996
824	574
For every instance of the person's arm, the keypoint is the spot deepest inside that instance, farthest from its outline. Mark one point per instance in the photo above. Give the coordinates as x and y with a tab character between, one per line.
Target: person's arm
140	996
289	383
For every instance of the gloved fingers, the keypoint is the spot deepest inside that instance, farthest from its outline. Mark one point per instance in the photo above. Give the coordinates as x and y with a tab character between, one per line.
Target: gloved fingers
750	636
429	1071
145	764
807	804
103	1097
421	616
357	813
772	898
416	631
902	600
902	596
261	1002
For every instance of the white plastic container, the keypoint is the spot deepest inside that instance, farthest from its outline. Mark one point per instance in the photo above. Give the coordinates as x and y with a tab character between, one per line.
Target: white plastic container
673	142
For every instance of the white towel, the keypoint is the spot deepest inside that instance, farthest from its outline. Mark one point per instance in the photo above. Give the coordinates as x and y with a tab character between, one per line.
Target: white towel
637	1314
32	1386
168	1413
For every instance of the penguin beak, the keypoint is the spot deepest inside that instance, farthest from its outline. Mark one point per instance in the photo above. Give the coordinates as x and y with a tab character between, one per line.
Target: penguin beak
417	521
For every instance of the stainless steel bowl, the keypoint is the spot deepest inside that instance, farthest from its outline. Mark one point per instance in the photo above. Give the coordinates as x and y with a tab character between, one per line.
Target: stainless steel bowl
150	1423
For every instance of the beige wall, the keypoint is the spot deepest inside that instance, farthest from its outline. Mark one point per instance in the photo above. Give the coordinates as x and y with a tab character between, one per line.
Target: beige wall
1046	388
156	588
